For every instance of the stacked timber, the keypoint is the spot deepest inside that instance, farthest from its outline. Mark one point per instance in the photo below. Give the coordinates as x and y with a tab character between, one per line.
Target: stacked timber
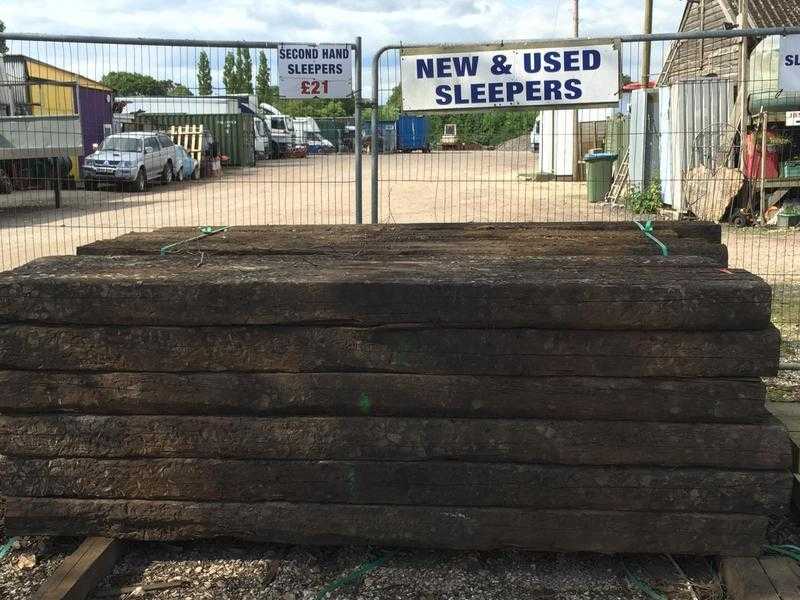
505	240
450	399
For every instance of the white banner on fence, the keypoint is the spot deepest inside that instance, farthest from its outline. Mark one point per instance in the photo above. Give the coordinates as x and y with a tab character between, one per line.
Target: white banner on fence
315	70
789	64
508	77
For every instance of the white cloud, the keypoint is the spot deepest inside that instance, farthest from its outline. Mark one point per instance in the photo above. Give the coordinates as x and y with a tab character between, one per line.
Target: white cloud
377	21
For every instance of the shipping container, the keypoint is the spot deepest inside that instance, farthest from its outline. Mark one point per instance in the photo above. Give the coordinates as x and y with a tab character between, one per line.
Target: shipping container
190	105
412	134
232	132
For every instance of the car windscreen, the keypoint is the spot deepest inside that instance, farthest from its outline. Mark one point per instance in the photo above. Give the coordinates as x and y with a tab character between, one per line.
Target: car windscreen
278	124
122	144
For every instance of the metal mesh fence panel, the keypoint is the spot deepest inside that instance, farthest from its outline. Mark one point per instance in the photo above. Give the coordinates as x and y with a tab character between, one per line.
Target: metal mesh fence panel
675	138
90	135
676	141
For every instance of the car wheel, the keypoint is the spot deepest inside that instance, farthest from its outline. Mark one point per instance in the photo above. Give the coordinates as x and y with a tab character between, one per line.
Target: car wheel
180	176
140	183
167	174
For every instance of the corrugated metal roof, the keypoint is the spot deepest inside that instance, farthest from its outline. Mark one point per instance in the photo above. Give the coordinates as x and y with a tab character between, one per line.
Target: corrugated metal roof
771	13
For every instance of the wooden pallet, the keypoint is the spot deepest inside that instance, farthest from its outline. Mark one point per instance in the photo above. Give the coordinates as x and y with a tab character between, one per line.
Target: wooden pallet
789	414
765	578
190	137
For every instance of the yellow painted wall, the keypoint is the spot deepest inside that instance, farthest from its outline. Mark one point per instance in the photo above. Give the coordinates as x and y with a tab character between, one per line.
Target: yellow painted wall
38	70
55	99
52	99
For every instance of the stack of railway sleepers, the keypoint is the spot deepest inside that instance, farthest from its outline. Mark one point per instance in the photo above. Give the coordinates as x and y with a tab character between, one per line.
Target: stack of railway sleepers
425	240
606	403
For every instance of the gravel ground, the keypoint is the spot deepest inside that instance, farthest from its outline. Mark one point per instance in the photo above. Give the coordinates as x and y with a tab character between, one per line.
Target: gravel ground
233	570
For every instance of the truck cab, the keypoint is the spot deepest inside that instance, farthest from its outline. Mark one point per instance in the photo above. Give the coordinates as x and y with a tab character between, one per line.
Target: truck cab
262	140
281	128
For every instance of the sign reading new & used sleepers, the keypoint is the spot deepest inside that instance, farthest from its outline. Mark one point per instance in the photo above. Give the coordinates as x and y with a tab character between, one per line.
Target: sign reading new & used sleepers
464	79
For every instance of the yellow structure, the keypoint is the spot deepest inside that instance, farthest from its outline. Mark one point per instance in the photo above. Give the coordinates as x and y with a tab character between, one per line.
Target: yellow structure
53	91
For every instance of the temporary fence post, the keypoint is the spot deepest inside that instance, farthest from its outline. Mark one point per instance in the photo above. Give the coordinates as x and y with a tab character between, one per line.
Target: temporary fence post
357	134
373	145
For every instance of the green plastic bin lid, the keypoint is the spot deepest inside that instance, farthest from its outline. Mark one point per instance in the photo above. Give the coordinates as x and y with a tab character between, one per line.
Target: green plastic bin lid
598	156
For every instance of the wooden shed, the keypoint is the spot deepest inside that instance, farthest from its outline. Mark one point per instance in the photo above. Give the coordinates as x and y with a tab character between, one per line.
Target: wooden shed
690	59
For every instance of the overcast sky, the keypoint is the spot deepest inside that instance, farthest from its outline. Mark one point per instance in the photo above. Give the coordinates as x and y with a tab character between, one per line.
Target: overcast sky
378	22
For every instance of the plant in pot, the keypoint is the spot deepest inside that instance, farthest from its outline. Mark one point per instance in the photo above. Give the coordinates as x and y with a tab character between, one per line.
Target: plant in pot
789	215
777	143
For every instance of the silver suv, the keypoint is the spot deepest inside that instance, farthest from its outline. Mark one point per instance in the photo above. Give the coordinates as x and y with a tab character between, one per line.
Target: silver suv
131	158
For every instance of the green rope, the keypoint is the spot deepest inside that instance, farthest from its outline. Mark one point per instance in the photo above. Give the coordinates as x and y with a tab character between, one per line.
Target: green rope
789	550
647	229
6	548
352	577
642	585
205	231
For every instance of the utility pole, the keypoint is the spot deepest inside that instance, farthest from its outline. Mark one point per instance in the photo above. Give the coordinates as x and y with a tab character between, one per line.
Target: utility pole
648	28
576	137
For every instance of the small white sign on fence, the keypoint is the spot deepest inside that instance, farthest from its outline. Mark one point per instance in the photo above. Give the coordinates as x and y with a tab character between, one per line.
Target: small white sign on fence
576	75
789	64
315	70
793	118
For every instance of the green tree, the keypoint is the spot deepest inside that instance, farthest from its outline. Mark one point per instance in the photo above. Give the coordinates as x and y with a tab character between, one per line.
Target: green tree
178	89
244	71
229	79
263	89
204	87
394	105
3	46
136	84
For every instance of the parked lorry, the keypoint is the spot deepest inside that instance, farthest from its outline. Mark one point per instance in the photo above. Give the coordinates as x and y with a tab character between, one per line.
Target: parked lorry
309	133
283	136
132	159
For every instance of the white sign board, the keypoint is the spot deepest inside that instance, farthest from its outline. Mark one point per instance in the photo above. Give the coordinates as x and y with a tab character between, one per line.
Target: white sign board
793	118
789	64
315	70
553	77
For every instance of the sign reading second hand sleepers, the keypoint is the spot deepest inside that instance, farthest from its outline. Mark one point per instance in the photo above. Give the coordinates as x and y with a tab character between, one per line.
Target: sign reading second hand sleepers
510	77
315	70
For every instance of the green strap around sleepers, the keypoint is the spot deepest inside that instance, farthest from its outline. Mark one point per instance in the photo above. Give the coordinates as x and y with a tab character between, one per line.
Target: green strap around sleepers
205	231
647	229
